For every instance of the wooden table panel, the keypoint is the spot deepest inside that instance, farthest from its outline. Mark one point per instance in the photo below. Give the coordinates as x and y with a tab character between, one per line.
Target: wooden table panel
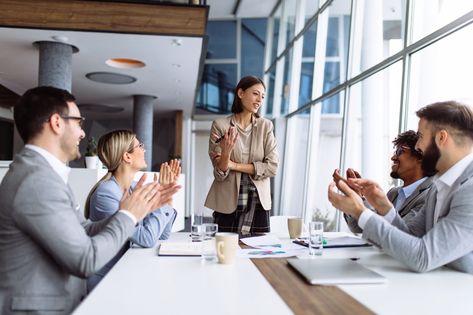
304	298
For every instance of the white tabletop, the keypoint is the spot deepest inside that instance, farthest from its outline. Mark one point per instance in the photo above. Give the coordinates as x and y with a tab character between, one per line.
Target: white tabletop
143	283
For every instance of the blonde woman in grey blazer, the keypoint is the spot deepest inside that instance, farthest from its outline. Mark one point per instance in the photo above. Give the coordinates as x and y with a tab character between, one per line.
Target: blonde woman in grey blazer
243	152
441	233
47	248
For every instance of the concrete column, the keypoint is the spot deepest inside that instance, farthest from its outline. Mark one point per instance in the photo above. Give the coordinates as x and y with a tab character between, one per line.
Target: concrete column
55	64
143	123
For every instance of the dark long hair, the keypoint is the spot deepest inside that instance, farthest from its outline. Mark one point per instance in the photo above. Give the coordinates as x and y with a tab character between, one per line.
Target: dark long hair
245	83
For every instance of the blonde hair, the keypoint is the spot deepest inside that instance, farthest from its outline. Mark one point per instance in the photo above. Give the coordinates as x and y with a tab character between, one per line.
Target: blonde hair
110	149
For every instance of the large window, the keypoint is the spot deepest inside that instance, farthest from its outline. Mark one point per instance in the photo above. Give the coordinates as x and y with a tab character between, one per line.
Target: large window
373	122
235	49
297	137
326	141
432	81
379	33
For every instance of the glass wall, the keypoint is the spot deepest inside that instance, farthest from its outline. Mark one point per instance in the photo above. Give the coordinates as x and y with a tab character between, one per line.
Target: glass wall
361	80
432	81
236	48
372	123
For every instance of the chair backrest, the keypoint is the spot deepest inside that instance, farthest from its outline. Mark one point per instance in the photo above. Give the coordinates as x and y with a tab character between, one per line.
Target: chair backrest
278	225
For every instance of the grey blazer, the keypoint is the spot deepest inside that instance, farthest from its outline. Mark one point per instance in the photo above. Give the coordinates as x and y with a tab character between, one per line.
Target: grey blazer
46	246
423	245
409	208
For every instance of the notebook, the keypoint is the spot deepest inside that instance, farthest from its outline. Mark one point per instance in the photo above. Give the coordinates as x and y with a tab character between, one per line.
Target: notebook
334	271
180	249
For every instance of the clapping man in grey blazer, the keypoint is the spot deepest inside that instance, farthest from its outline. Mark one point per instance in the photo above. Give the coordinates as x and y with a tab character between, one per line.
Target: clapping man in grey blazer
47	248
407	165
442	231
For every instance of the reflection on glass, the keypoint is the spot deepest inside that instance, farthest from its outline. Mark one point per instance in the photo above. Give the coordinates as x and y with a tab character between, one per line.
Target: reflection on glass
308	48
276	22
290	19
381	33
432	81
222	39
431	15
311	8
294	163
216	91
270	93
334	25
326	142
286	82
305	90
373	122
253	41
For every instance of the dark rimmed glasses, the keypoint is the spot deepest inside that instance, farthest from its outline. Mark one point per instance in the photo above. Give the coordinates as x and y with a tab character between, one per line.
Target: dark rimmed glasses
78	118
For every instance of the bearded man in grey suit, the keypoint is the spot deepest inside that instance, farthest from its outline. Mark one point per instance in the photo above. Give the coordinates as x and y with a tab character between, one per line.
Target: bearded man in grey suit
47	248
416	179
441	233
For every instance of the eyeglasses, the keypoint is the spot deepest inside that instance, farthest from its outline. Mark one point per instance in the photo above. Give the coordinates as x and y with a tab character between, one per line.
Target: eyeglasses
140	145
400	150
78	118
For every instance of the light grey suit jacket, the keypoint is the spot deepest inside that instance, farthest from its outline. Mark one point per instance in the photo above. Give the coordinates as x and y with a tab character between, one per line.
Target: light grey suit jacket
423	245
46	246
408	209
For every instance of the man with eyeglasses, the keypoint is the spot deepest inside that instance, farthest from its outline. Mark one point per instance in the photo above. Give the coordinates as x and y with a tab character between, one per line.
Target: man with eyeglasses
441	233
416	179
47	248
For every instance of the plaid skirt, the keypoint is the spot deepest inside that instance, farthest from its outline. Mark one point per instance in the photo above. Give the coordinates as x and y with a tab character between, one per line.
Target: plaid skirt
249	217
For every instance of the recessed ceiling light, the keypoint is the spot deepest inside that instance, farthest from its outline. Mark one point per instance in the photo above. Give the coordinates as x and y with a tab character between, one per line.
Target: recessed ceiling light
110	77
176	42
60	38
125	63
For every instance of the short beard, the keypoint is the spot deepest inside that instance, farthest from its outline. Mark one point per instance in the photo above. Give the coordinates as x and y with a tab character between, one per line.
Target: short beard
394	175
430	157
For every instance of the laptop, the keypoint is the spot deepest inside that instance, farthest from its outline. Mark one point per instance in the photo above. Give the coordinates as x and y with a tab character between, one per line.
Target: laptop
334	271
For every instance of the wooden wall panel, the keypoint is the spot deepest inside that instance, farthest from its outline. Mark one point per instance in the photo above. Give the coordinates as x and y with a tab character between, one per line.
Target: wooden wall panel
105	16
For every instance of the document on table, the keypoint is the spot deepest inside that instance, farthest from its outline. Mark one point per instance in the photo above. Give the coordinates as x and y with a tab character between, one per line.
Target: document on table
180	249
337	242
269	246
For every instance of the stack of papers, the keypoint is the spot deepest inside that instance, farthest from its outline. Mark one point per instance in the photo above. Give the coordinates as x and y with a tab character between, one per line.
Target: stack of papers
180	249
269	246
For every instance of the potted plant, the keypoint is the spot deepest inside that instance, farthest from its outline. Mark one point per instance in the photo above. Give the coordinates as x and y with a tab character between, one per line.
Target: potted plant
91	159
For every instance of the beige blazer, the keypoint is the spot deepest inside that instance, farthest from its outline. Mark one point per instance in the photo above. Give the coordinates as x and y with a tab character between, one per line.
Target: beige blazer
223	194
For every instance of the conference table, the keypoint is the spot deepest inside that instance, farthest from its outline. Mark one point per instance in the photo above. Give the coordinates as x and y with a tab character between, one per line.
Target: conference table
144	283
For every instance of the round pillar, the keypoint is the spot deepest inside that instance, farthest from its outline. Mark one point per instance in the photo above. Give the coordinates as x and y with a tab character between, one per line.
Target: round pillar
55	64
143	123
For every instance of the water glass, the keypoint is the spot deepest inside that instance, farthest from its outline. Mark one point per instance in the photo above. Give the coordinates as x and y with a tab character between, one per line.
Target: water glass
316	233
208	247
196	232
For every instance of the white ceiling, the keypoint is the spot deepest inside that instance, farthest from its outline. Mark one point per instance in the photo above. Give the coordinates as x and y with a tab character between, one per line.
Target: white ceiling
170	73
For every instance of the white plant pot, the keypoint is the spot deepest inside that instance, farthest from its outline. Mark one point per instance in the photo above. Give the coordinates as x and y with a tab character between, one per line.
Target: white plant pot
92	162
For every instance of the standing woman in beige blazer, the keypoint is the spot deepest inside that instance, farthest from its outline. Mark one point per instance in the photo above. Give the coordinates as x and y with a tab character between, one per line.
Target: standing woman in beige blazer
243	152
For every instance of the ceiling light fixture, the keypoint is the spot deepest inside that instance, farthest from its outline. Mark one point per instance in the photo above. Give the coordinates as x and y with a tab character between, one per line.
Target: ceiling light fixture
125	63
110	77
60	38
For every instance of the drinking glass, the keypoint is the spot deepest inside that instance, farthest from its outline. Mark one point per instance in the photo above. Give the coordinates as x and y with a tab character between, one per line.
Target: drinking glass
208	247
196	232
316	233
